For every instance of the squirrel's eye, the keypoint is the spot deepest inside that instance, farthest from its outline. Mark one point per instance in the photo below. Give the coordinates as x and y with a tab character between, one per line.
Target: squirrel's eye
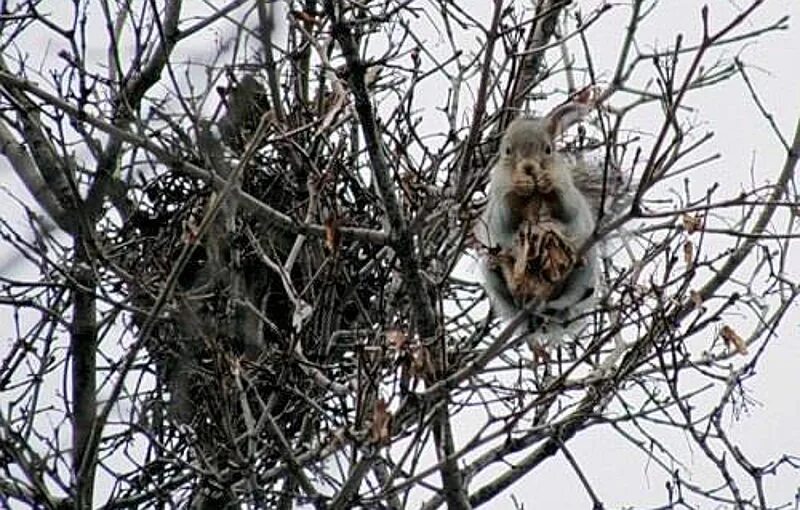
508	150
548	149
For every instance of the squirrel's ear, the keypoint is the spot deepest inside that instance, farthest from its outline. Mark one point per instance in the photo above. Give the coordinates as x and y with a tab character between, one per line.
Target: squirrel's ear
567	114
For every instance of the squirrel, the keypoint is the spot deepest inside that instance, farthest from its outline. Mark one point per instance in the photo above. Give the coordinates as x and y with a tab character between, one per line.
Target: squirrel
536	220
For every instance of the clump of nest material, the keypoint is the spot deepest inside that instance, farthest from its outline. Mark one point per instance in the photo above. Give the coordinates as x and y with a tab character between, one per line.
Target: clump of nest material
539	260
541	257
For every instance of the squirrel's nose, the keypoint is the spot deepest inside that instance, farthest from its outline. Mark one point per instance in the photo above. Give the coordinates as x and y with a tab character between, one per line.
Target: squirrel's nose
528	168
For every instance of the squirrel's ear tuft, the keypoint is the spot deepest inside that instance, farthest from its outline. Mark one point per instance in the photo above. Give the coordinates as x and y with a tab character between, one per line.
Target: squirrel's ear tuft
569	113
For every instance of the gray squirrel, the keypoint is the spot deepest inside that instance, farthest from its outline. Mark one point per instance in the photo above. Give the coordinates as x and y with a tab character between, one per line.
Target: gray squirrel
536	220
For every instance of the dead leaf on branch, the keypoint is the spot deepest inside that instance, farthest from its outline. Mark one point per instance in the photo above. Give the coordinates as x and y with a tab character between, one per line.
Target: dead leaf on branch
398	340
332	234
696	299
422	364
309	18
688	252
540	259
692	223
381	429
337	438
732	339
540	354
556	255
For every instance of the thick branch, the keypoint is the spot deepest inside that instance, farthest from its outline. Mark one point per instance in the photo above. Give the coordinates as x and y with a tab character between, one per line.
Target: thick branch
49	164
83	346
128	101
25	168
547	12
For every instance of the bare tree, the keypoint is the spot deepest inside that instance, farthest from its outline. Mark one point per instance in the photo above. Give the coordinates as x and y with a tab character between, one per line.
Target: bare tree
250	226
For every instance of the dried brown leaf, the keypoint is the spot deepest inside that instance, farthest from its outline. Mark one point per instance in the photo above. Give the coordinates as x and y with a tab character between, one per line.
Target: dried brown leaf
338	437
732	339
585	96
696	298
332	234
541	257
422	364
381	429
688	252
557	257
692	223
307	17
540	353
415	56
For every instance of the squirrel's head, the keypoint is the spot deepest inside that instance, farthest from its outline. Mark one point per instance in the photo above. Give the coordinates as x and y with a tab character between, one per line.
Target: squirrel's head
527	145
529	140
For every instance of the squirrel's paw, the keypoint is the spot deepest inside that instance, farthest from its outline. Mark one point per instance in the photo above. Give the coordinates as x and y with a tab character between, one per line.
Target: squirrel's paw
545	182
523	183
